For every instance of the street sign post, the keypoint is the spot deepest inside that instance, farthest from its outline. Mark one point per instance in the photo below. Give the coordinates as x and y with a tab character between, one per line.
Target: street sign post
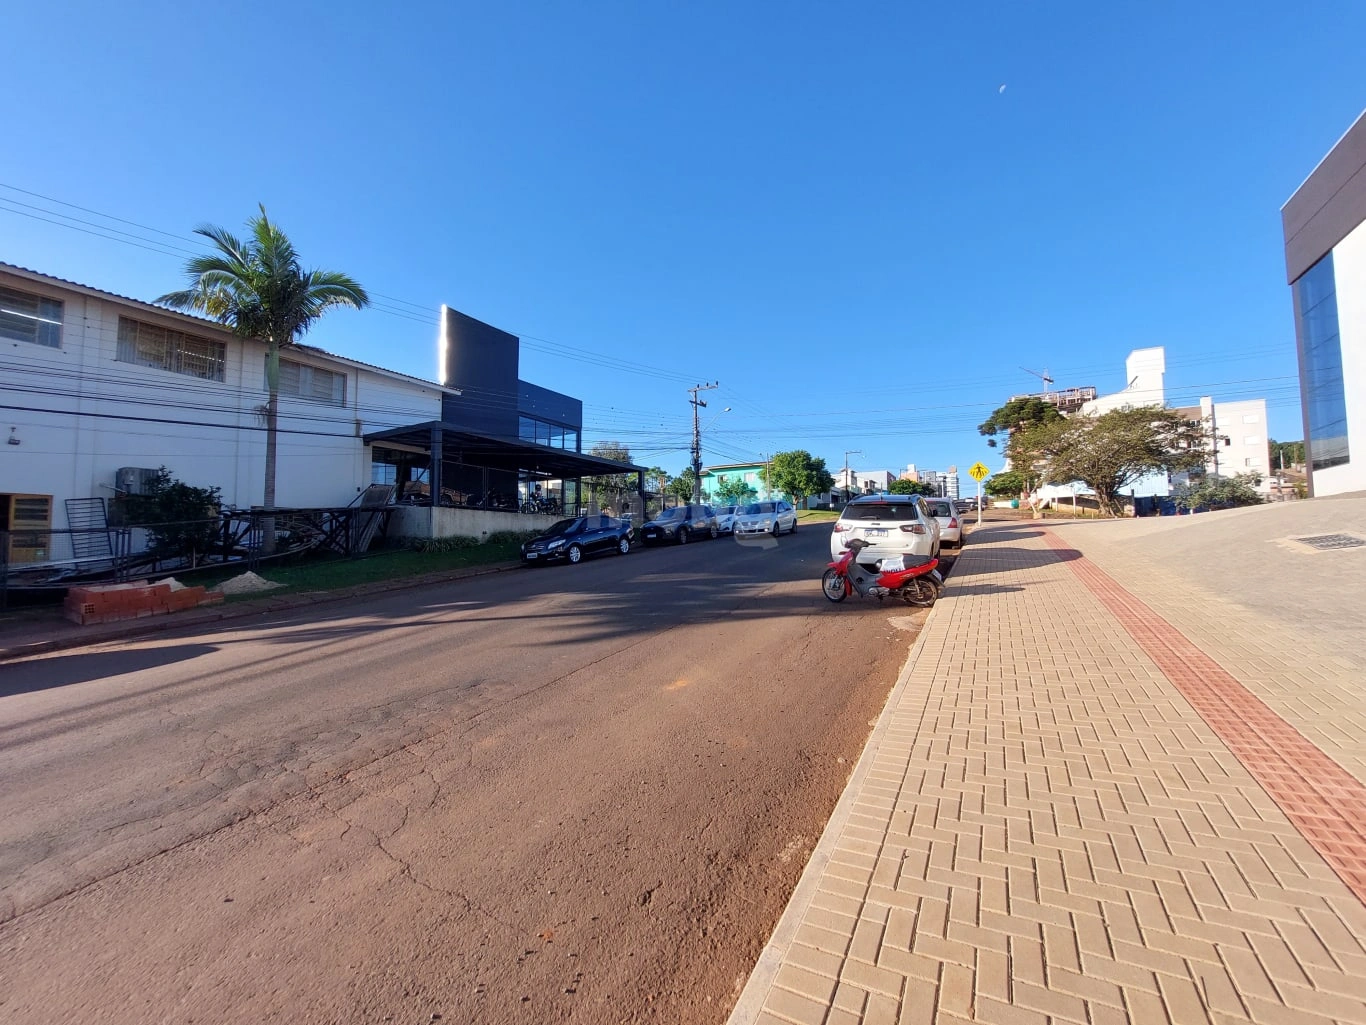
979	473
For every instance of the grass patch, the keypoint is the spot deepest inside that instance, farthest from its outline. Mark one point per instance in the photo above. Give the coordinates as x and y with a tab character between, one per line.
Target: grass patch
817	516
320	573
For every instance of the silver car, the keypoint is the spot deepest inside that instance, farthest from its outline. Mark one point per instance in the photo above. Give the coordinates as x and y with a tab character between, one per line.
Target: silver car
946	511
771	518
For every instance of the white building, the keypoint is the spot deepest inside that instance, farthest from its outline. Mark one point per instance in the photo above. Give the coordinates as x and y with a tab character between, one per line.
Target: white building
1236	438
98	387
867	482
1325	257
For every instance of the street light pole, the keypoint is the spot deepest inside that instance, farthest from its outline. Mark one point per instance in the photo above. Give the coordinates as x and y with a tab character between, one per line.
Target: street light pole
697	439
845	478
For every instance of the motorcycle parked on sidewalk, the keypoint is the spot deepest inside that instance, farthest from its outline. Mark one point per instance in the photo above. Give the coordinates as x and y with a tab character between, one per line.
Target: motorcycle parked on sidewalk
918	584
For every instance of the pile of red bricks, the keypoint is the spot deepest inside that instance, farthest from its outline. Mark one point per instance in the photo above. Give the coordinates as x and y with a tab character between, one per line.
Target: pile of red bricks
109	603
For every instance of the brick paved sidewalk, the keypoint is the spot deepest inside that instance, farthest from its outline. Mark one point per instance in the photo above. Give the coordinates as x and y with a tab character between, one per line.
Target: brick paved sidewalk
1071	813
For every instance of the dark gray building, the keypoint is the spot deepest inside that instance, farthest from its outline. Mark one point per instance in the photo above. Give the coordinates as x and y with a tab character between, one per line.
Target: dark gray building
1325	260
501	436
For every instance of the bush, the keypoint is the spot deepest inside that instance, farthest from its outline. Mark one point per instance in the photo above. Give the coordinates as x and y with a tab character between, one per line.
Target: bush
510	537
440	545
1217	492
181	520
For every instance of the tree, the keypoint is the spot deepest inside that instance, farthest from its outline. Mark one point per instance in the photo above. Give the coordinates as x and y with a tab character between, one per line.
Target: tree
732	489
1111	451
1007	484
619	453
656	477
181	520
797	473
913	487
682	485
1292	452
260	290
1213	491
1018	415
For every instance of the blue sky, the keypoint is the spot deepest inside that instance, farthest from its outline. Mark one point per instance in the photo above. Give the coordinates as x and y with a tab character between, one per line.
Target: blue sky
834	210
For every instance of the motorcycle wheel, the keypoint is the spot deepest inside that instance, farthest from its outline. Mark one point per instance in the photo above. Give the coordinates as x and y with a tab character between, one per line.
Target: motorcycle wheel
832	586
920	592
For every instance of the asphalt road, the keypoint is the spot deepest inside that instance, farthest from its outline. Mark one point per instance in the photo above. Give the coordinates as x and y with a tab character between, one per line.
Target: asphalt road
561	794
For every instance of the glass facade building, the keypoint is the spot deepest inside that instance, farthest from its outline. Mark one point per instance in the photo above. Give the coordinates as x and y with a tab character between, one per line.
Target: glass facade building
1326	410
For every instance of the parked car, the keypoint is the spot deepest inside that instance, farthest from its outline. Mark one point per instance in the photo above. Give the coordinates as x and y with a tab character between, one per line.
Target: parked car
725	518
682	523
891	524
576	538
950	524
766	518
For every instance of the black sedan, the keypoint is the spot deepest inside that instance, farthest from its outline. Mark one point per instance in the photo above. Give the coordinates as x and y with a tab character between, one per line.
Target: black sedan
575	538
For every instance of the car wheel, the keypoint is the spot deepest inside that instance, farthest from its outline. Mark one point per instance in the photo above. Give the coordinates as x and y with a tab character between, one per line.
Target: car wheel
623	545
715	532
574	554
777	528
794	527
682	535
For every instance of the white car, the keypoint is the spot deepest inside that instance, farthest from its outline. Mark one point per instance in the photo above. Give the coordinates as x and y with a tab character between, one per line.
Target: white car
772	518
725	517
948	514
891	524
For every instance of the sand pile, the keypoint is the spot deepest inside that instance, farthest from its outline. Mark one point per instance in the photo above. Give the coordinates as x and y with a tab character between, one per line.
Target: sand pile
247	583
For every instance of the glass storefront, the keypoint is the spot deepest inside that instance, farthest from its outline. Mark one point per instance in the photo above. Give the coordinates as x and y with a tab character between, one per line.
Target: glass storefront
1316	294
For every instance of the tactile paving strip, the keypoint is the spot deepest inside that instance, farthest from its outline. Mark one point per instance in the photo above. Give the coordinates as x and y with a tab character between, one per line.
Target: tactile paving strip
1324	802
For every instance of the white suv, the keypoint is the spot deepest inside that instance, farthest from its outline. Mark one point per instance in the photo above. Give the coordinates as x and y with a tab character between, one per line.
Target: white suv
891	524
765	518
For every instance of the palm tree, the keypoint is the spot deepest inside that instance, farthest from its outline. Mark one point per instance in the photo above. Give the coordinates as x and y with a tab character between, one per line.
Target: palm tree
258	288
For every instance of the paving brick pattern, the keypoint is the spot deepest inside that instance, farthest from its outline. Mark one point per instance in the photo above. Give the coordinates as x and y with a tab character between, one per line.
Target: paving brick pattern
1324	801
1049	832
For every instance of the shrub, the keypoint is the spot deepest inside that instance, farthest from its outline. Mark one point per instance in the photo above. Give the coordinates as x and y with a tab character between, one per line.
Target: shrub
511	537
440	545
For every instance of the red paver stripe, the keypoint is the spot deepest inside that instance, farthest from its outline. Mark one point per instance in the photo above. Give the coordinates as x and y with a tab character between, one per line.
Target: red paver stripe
1322	800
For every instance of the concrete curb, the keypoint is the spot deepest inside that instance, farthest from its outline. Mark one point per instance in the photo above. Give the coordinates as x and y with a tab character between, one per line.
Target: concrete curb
241	610
751	1003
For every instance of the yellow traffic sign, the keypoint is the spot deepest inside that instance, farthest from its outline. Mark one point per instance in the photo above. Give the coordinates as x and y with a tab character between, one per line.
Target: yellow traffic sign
978	472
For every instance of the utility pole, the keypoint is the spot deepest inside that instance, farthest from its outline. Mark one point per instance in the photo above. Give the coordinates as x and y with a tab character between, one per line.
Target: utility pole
697	438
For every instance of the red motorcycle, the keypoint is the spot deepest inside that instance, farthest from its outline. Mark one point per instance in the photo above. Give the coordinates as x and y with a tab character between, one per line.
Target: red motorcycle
918	584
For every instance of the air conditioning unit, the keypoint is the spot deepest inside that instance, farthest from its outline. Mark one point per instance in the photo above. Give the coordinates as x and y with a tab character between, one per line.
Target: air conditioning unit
134	480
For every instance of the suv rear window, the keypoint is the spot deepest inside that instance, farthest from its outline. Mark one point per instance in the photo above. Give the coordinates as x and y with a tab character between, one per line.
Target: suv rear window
940	508
880	511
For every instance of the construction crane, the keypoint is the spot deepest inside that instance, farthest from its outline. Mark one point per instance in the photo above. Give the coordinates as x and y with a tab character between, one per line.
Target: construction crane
1042	375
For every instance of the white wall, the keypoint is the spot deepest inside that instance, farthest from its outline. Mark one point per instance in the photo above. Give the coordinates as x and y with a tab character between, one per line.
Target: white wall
87	415
1349	272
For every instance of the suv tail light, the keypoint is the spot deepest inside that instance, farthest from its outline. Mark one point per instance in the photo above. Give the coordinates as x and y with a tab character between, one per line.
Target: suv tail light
913	528
953	522
839	527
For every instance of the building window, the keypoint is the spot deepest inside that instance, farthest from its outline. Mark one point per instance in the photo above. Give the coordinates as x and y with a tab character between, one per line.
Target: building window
1250	440
1326	405
1250	418
312	384
30	318
539	432
163	349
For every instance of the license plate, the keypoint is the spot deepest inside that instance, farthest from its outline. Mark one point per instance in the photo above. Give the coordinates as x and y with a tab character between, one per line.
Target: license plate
875	532
531	555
